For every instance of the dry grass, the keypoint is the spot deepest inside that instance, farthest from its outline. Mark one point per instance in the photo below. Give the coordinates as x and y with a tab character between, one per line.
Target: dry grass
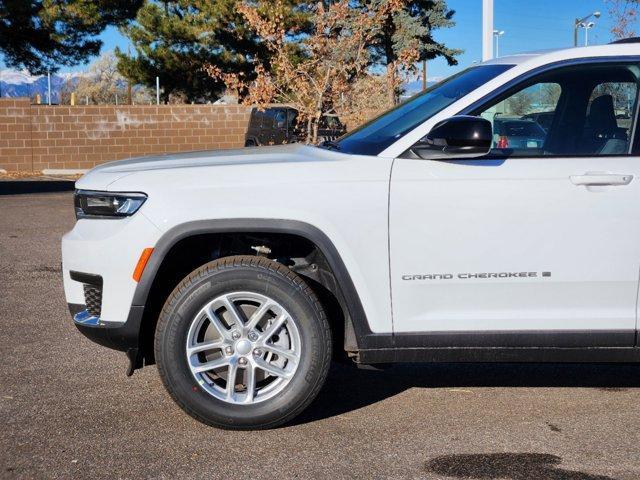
35	175
20	174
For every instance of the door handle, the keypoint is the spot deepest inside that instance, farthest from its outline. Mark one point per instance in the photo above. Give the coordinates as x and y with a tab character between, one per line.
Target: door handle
595	179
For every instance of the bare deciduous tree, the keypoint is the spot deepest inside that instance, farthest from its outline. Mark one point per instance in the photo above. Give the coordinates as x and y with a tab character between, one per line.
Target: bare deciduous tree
102	82
520	103
624	15
317	74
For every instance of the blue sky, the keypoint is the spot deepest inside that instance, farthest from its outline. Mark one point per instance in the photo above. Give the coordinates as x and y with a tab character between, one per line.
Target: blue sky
528	24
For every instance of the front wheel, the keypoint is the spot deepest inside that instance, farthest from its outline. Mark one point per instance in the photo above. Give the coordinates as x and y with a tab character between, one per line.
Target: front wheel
242	343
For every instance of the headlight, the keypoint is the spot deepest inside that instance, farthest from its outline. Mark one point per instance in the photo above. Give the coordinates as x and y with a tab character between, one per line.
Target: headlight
91	204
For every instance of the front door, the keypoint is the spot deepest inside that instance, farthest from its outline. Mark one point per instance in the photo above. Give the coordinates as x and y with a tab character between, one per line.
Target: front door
537	244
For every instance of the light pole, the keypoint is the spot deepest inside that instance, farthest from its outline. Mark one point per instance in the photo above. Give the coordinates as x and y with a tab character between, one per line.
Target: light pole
579	23
497	34
487	28
586	27
49	87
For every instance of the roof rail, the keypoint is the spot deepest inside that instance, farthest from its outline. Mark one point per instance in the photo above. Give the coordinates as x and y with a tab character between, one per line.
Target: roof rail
626	40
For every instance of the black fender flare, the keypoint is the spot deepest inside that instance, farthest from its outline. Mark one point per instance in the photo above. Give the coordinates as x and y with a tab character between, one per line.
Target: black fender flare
365	338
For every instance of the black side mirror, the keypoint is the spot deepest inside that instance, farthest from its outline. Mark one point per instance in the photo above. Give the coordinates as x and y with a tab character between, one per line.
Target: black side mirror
462	136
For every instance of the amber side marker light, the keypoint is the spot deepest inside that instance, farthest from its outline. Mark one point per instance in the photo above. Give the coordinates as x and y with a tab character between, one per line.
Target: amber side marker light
142	262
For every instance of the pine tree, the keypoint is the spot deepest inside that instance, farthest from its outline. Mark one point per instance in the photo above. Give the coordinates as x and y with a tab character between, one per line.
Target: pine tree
411	29
42	35
175	39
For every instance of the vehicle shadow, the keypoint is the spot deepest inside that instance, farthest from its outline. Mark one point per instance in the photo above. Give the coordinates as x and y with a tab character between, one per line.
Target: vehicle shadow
514	466
349	388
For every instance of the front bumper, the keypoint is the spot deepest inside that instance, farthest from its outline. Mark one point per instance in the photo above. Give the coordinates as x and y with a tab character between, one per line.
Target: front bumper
123	336
98	260
108	250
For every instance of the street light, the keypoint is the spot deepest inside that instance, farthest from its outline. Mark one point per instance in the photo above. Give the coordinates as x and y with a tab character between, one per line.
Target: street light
497	34
580	23
586	27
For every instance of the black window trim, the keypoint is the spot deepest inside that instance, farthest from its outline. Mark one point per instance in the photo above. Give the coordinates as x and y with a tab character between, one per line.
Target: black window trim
634	149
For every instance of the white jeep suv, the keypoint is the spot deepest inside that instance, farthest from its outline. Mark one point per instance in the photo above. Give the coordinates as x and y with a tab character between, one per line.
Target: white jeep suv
494	217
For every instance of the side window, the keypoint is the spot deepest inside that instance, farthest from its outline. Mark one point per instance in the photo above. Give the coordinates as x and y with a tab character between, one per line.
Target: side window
332	122
280	118
610	115
269	116
521	121
256	118
581	110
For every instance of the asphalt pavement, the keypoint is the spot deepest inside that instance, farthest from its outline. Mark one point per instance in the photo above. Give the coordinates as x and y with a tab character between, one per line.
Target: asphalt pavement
68	411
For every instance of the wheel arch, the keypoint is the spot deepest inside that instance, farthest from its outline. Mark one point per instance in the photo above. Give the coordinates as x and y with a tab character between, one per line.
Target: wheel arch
357	334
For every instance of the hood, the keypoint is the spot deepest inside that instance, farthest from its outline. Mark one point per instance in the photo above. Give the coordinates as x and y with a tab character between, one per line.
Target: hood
100	177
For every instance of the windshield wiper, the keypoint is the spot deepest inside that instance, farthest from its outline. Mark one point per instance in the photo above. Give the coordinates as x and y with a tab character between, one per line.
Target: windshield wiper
330	144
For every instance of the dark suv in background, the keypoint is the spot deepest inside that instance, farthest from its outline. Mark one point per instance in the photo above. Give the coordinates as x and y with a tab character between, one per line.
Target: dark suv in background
278	125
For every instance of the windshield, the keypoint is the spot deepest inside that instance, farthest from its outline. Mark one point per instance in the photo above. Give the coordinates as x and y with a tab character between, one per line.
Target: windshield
376	135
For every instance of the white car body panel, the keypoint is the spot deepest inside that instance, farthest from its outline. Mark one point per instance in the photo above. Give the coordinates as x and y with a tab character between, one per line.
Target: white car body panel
524	215
346	197
110	248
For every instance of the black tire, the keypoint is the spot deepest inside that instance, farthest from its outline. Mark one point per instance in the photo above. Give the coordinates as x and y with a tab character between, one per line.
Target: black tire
254	274
250	143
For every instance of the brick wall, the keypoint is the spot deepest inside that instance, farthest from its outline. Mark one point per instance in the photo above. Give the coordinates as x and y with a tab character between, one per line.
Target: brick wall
39	137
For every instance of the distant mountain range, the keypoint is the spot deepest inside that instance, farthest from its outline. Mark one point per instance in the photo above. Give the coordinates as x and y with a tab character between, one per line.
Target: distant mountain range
22	84
415	86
